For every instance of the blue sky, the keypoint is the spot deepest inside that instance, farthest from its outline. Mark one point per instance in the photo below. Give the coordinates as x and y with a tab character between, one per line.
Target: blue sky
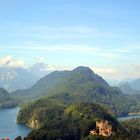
103	35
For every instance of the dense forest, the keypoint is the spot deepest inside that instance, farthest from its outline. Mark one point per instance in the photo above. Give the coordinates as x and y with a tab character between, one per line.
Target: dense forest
52	121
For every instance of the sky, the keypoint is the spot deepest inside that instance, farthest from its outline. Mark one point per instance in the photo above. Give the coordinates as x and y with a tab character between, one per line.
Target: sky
101	34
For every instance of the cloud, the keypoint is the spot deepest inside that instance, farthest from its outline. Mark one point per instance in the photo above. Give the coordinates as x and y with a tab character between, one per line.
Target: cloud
120	73
70	32
50	68
68	49
58	48
9	61
41	60
110	73
104	70
133	70
64	48
54	48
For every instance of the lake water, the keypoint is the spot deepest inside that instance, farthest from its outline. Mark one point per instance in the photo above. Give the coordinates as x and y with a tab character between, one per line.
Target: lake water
8	126
128	117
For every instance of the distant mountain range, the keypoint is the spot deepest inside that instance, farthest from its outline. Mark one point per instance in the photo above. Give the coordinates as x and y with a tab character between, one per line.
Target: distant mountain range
132	87
40	69
135	84
80	84
14	78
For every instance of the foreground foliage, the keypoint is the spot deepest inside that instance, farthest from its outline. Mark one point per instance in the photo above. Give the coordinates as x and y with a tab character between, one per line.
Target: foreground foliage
71	122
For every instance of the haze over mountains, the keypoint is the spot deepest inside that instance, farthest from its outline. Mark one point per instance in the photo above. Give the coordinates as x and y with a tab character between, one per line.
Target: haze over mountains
40	69
132	87
14	78
60	78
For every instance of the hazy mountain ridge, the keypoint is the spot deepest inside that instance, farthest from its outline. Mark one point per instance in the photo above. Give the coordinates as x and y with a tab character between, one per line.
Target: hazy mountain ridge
135	84
6	101
13	78
40	69
80	84
132	87
57	79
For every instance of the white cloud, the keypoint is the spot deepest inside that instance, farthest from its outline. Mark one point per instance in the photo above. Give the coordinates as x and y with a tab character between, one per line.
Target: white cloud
51	68
104	70
119	73
78	49
41	60
70	32
55	48
9	61
110	73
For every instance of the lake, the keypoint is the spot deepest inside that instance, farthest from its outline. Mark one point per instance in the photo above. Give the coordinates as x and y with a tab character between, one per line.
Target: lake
128	117
8	126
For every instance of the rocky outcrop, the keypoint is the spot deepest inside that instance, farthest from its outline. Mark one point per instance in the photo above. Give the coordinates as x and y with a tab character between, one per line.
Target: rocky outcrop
33	123
103	128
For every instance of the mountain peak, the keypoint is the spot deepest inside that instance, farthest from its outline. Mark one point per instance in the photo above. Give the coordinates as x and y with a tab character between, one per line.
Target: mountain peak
83	69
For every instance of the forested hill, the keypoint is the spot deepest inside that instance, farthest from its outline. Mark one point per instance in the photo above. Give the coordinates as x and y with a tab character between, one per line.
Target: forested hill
6	101
58	79
80	84
52	121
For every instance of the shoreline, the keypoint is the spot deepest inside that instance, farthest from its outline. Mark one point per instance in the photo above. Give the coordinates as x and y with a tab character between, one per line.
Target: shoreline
123	118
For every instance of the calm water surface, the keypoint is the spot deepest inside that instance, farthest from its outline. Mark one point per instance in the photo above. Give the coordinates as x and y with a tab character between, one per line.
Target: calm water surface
8	126
128	117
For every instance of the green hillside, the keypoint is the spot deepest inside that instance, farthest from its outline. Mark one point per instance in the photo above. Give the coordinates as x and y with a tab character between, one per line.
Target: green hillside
6	101
57	79
41	110
80	84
